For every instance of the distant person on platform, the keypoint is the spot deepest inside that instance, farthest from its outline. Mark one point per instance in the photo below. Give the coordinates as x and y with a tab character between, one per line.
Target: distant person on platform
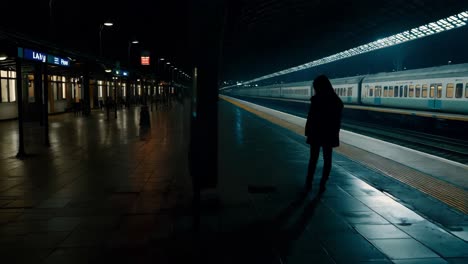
322	128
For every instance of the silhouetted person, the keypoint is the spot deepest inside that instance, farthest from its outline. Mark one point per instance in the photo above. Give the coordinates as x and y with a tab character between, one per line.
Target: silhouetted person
322	128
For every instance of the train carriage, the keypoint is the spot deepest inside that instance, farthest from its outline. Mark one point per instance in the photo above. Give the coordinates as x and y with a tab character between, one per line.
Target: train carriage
443	88
348	89
299	90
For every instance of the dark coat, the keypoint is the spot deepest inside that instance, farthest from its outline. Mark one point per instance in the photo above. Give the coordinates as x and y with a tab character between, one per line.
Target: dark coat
324	119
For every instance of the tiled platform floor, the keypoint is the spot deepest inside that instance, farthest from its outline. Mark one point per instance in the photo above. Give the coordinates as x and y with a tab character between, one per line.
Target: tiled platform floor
105	193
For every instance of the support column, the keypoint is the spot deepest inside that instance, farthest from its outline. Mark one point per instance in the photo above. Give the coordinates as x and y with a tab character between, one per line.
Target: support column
38	88
86	92
45	108
205	43
19	99
115	98
96	95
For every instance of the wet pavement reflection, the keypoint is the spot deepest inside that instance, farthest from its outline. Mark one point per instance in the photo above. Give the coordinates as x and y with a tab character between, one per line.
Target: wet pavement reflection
112	191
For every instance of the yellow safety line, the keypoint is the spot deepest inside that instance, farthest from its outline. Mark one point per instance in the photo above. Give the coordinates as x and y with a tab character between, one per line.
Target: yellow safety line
441	190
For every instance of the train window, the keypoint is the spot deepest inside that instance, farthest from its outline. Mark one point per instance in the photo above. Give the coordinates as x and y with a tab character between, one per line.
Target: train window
418	90
424	91
371	91
395	94
3	74
449	90
385	91
439	90
390	91
350	91
459	90
431	93
466	90
401	90
411	91
378	90
406	90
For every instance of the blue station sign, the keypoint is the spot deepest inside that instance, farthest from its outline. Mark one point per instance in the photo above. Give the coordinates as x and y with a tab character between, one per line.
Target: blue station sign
57	60
29	54
35	55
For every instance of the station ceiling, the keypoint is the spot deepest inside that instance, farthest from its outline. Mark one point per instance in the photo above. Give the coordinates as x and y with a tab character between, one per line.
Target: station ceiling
286	33
260	36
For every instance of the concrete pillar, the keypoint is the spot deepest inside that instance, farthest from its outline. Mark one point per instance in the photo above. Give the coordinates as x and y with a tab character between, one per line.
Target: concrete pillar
45	109
19	99
86	92
38	91
205	40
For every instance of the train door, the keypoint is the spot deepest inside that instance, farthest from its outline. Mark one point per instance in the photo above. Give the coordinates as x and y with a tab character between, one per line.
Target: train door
435	96
378	95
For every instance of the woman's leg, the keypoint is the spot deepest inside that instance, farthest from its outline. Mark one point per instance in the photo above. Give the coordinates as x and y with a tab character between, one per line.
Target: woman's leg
327	164
314	154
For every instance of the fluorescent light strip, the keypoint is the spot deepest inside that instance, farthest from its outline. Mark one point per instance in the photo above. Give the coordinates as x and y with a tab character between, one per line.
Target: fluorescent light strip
441	25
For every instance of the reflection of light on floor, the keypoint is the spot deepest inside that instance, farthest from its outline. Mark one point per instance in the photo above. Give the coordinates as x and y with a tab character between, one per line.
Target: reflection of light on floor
55	125
239	132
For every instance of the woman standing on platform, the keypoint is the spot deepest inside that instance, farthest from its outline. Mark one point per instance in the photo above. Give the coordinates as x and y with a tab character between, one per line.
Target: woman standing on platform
322	128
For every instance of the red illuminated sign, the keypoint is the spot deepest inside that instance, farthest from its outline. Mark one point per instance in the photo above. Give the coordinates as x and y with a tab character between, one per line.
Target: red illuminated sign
145	60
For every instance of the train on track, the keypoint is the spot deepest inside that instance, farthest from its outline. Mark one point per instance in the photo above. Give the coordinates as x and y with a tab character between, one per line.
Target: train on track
441	88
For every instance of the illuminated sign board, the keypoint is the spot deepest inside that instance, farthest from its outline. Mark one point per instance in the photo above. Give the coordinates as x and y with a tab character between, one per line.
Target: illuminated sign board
57	61
145	60
34	55
29	54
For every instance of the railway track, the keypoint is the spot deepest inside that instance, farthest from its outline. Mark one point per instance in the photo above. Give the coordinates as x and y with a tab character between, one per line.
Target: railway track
445	147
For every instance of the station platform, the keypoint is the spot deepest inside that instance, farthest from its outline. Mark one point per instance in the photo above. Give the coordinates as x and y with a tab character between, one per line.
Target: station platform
106	192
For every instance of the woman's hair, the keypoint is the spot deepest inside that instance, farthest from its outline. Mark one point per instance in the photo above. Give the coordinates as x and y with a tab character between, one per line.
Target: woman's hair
322	84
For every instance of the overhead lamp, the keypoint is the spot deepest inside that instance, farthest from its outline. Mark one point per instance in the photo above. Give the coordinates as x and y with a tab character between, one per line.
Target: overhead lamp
168	63
135	41
161	59
108	24
108	70
3	56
